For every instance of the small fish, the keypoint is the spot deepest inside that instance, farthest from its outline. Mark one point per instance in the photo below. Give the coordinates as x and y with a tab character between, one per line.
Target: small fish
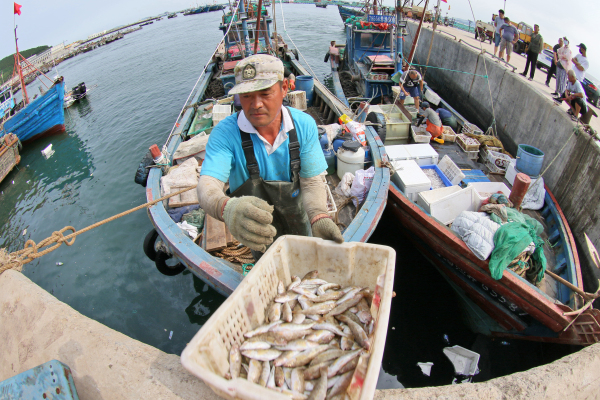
328	355
353	310
291	327
328	296
298	344
280	288
279	378
353	317
298	380
287	296
357	331
271	380
292	335
330	327
254	346
264	375
343	360
261	329
286	312
286	358
262	355
295	282
235	361
274	313
304	302
350	366
341	384
364	313
319	308
311	275
320	389
347	342
254	371
371	327
314	281
314	371
287	375
321	336
341	307
297	318
310	385
349	295
325	287
295	359
349	288
305	292
268	337
335	344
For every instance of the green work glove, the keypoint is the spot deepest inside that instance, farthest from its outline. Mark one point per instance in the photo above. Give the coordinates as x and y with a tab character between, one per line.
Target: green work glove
327	229
249	221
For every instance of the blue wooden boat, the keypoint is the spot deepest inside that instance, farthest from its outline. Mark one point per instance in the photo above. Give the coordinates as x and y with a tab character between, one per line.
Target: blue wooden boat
222	275
347	12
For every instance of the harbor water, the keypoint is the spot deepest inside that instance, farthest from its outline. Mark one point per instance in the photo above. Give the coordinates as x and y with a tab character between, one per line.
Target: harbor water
143	81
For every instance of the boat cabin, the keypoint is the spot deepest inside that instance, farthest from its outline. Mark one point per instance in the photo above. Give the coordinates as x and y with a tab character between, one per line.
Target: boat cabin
7	103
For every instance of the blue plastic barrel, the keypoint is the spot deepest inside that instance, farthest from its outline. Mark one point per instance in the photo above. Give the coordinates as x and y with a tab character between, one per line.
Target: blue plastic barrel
306	84
529	160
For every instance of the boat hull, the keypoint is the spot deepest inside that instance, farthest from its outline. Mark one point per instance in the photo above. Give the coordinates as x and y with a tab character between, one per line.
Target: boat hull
44	116
513	307
347	12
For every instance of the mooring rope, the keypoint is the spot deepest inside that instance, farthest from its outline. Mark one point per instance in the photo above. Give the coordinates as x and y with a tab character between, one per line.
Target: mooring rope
31	251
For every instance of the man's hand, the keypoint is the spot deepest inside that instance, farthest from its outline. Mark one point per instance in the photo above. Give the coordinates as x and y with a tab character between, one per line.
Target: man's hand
249	221
327	229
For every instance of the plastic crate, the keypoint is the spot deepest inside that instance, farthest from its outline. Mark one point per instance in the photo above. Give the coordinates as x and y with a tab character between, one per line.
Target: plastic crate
297	99
450	170
493	167
220	112
500	160
471	128
448	135
331	206
358	264
443	177
446	204
486	189
462	143
420	135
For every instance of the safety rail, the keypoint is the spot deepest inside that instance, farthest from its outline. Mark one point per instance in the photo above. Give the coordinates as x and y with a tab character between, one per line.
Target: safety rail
490	54
449	34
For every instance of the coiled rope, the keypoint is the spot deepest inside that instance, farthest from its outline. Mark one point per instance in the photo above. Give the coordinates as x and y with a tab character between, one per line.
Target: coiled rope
32	251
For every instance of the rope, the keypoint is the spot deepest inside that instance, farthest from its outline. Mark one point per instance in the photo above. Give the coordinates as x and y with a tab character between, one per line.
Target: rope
234	253
448	69
31	251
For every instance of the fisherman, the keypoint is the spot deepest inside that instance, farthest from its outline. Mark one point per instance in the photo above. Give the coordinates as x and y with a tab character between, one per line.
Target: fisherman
411	84
272	158
434	123
447	118
334	52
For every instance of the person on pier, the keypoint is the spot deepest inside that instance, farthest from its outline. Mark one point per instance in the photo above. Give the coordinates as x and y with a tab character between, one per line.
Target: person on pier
272	158
575	96
498	22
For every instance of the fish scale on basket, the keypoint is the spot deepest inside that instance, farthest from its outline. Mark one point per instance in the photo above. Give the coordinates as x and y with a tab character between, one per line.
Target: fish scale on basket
249	350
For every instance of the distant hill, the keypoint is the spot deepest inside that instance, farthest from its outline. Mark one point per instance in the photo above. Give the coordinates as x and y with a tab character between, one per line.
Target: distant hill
7	63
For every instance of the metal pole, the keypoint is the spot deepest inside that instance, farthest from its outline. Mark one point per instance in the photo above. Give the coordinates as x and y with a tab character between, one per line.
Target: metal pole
399	55
416	39
244	28
275	44
257	30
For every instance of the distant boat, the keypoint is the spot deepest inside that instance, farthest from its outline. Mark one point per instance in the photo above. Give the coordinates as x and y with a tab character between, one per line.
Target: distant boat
32	119
172	15
347	12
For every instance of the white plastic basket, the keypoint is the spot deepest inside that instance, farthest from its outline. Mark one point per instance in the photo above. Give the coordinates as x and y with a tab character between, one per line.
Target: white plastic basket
420	135
358	264
331	206
451	170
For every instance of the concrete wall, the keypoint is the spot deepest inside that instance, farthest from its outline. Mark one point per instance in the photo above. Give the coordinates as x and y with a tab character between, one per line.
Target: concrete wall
35	327
523	115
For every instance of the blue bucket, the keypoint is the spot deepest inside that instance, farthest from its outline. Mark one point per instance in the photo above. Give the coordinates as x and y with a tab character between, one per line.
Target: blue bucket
529	160
306	84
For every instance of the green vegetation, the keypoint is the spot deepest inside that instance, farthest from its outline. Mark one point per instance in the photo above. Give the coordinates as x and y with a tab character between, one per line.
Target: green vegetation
8	62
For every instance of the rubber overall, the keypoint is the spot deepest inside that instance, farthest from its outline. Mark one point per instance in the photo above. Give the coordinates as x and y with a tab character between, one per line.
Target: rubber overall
289	217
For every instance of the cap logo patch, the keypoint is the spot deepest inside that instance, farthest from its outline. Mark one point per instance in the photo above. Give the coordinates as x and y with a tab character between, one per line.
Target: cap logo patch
249	72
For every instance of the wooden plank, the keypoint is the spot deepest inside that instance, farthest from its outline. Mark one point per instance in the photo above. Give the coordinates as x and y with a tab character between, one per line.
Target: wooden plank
214	231
229	237
184	199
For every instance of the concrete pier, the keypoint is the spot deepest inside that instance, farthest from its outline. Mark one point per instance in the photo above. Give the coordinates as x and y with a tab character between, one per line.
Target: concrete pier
524	113
35	327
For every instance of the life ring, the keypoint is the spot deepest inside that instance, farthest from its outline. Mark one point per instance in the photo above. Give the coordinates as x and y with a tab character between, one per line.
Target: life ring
163	268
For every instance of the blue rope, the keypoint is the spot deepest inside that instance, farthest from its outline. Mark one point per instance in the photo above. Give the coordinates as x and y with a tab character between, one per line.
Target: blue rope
246	268
448	69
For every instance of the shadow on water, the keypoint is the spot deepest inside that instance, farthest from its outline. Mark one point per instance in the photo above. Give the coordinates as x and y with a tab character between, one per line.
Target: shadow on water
426	311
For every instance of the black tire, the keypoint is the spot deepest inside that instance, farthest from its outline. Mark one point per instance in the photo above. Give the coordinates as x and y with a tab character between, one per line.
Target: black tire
141	175
381	130
149	241
163	268
295	53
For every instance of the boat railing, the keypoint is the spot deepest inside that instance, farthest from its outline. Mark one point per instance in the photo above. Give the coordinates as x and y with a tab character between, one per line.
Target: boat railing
449	34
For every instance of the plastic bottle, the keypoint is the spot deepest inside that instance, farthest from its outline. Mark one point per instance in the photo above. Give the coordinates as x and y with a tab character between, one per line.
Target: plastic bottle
331	161
323	138
358	132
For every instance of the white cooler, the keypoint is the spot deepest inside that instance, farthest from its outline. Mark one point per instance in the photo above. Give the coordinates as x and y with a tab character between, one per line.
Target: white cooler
410	178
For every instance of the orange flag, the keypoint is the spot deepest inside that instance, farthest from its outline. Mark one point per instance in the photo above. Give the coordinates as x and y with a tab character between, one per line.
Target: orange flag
18	9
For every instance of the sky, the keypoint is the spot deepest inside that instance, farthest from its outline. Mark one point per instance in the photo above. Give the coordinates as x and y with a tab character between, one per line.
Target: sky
44	22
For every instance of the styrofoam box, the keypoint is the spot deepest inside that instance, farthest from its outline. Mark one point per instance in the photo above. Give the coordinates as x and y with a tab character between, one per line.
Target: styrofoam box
423	153
358	264
451	170
464	360
448	207
397	152
511	173
426	198
220	112
412	178
486	189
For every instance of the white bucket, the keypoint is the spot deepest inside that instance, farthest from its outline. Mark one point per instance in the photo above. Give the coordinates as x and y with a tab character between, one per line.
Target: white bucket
349	161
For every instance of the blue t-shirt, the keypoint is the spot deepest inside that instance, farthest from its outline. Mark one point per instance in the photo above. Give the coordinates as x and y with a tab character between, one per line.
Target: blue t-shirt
509	32
225	158
444	113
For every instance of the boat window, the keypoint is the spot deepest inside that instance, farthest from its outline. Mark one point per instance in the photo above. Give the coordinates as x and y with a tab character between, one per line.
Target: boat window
3	97
377	41
366	39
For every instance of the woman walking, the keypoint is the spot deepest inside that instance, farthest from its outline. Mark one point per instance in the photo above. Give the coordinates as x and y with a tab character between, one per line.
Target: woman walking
563	64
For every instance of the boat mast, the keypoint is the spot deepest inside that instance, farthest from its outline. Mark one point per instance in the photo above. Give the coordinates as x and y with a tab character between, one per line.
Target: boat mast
437	13
257	29
244	17
18	66
275	44
399	49
416	39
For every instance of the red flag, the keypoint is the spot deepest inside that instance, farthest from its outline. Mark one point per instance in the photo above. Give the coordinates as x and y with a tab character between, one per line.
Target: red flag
445	1
17	9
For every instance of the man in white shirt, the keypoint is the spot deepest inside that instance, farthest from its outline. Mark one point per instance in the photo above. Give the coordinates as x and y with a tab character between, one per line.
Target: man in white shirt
498	22
581	63
575	95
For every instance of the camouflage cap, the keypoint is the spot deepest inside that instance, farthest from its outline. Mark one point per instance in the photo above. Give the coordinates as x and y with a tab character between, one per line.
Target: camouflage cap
257	72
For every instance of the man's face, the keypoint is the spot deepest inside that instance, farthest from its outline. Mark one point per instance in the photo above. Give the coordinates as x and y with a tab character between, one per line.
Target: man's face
262	107
502	15
536	28
572	78
560	41
413	75
582	51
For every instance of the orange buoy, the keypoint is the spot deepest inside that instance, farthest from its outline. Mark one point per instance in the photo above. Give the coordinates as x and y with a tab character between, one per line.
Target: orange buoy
519	189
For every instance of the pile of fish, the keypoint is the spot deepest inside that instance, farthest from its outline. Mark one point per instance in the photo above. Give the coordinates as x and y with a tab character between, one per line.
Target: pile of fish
315	335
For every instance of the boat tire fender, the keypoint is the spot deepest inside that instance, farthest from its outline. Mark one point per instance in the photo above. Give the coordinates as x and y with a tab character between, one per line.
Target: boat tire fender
141	175
149	242
295	53
163	268
381	130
